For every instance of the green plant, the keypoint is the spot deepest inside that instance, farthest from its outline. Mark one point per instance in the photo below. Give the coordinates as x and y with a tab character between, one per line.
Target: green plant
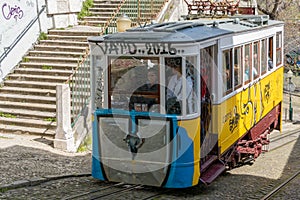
3	137
50	119
7	115
85	9
25	59
86	144
45	67
2	190
43	36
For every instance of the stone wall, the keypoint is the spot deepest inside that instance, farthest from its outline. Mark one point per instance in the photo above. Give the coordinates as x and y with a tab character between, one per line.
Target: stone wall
15	18
64	12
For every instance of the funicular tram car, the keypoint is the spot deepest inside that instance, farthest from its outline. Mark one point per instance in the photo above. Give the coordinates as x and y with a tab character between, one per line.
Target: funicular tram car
177	103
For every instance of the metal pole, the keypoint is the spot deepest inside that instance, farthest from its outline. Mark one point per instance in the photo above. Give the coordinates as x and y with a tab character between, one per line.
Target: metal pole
290	108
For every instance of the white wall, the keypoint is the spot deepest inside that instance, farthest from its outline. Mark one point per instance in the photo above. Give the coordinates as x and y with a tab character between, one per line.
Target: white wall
15	16
64	12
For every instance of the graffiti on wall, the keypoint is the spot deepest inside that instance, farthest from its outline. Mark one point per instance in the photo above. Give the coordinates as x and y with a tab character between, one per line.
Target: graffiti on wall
10	12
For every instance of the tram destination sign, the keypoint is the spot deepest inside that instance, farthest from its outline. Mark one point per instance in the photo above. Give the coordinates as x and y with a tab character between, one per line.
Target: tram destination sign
147	48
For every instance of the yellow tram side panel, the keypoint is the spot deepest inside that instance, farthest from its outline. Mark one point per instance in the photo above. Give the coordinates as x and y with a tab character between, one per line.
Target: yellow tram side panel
236	115
192	126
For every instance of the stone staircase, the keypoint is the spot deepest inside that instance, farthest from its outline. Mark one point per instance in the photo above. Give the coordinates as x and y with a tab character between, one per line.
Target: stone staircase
28	94
103	10
28	97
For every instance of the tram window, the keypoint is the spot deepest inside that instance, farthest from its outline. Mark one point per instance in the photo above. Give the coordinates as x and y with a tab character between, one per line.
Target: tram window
264	56
256	60
270	54
278	48
191	76
227	71
175	95
247	63
237	67
129	77
206	64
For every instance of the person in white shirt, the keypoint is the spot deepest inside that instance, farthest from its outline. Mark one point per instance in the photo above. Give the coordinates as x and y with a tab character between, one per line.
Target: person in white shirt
175	88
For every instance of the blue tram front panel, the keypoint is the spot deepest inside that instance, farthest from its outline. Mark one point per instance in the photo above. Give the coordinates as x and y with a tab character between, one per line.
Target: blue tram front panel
142	148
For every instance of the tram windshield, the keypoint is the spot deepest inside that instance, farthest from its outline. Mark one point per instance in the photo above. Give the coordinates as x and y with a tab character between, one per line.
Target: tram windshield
144	85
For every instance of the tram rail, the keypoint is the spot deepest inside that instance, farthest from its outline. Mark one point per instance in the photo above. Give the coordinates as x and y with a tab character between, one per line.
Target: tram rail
283	139
281	186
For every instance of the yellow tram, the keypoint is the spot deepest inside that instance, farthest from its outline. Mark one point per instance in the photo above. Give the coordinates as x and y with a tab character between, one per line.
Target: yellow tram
180	102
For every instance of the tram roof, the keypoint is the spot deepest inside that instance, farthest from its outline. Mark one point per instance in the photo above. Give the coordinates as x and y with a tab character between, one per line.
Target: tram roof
189	30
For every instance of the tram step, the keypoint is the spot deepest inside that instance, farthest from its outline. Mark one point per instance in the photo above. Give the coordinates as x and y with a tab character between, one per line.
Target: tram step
208	162
212	172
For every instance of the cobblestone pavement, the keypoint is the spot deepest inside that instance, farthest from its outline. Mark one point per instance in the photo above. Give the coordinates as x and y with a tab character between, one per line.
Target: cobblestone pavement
247	182
29	159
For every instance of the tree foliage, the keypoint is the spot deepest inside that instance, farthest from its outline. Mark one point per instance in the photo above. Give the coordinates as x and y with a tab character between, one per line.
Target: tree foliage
288	12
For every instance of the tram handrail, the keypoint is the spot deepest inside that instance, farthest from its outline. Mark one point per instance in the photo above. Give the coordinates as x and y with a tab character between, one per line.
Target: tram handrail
8	49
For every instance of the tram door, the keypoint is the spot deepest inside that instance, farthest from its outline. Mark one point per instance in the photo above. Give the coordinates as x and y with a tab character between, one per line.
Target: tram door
208	69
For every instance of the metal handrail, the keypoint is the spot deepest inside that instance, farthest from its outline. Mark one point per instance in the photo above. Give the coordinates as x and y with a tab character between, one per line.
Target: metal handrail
20	36
78	82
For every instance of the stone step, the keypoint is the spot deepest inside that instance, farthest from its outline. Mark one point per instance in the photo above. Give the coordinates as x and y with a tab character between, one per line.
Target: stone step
64	43
28	91
49	66
4	128
127	10
107	4
93	23
40	47
107	1
55	53
23	113
40	78
30	84
51	59
103	12
74	32
27	98
66	37
28	106
34	71
101	19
